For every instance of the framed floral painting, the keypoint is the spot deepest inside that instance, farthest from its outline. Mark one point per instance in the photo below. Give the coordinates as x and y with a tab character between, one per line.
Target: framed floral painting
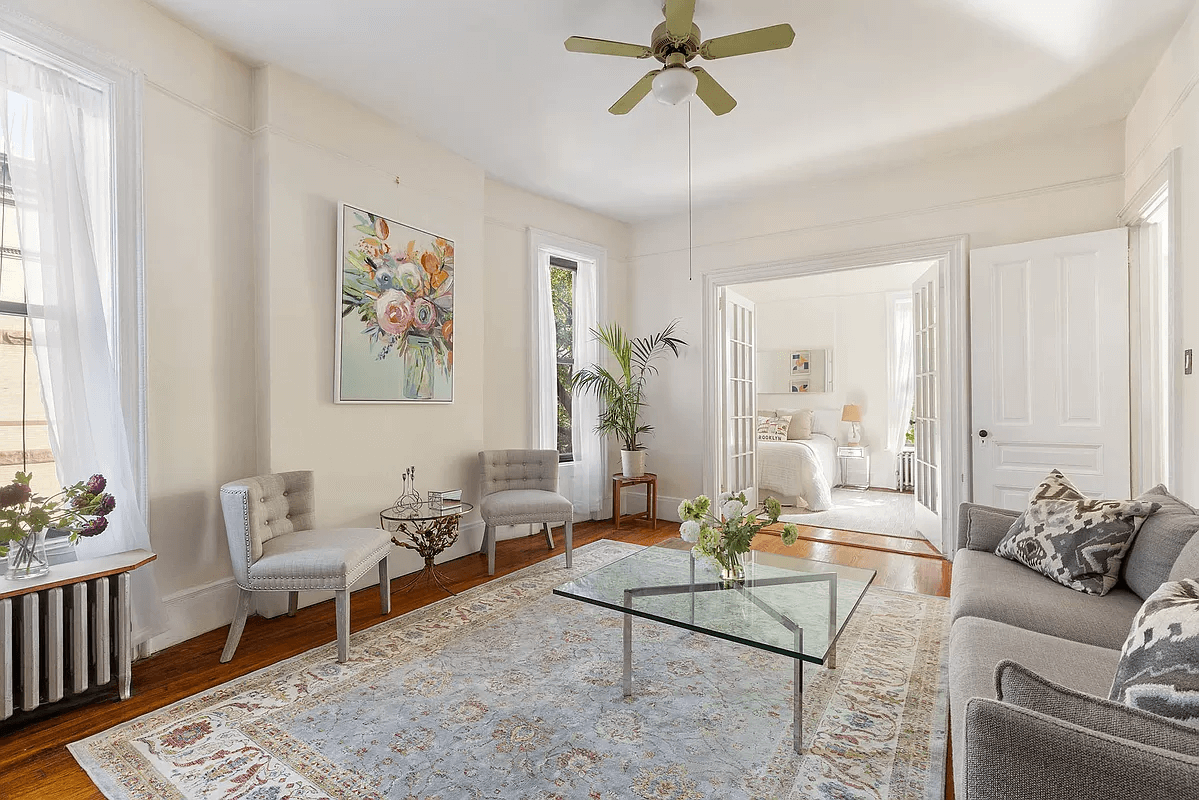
395	321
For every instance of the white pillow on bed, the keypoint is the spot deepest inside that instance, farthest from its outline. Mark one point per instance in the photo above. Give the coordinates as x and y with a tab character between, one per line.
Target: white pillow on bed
801	423
826	421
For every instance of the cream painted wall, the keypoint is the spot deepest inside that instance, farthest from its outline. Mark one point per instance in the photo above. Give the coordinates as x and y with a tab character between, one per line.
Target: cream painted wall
243	173
846	313
199	293
1166	116
1019	192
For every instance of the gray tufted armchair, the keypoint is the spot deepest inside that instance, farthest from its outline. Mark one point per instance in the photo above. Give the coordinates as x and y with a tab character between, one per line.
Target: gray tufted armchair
520	487
268	520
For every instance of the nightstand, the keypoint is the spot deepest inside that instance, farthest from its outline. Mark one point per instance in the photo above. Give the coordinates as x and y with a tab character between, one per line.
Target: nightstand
856	452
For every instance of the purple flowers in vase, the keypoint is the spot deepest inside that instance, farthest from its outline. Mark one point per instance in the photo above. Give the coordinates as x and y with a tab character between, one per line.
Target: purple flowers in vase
81	509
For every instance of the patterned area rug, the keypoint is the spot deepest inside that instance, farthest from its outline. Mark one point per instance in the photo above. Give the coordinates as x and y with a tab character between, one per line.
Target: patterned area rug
508	691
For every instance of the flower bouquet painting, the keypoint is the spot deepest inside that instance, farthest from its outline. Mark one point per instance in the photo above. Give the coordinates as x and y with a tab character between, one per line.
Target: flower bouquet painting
723	535
25	518
395	329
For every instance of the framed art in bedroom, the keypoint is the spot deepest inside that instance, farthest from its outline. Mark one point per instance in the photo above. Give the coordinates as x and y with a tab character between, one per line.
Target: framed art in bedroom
395	312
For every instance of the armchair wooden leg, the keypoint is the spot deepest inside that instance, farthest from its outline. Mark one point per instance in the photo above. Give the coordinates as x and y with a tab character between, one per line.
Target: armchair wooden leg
486	535
293	603
549	535
384	587
238	625
490	537
569	541
343	625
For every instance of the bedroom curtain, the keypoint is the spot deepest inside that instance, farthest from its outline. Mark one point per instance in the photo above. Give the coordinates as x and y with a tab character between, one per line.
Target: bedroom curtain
901	377
57	137
544	385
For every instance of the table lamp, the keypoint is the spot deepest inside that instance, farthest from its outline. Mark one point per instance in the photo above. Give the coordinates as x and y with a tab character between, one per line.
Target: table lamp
853	415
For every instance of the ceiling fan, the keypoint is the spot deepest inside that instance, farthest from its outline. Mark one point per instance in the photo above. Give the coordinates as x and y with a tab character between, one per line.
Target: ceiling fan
676	42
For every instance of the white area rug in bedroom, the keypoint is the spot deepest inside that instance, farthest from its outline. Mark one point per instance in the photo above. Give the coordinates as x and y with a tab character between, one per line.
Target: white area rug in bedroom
889	513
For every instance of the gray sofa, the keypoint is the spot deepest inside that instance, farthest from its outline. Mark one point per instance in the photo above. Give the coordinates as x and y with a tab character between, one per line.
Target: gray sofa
1076	745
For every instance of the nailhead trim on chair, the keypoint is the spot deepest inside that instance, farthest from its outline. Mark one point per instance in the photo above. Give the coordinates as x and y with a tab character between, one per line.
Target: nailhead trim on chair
245	511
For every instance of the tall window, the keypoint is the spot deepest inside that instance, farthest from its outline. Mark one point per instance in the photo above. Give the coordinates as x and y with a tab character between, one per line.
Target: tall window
24	434
562	288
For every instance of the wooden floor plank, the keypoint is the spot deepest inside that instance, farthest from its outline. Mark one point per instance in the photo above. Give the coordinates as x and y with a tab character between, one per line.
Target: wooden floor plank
34	761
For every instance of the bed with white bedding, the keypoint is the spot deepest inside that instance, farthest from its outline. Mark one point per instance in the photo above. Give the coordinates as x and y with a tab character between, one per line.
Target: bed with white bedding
799	472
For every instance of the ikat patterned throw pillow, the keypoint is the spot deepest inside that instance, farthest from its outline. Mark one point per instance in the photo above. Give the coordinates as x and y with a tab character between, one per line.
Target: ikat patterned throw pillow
1159	665
773	429
1077	542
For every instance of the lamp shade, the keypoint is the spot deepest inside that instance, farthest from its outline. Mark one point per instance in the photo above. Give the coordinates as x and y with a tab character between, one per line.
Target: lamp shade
851	413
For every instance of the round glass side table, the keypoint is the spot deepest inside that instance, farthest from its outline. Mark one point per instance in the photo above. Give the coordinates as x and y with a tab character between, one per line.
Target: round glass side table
426	529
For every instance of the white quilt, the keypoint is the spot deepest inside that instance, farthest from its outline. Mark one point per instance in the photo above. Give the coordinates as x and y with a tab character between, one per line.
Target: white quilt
803	469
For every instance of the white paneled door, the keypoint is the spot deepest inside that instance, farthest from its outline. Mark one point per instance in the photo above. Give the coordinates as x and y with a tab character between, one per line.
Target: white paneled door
1049	340
739	402
926	362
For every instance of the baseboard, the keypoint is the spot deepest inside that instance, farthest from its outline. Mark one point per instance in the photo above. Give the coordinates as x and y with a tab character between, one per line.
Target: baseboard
632	501
199	609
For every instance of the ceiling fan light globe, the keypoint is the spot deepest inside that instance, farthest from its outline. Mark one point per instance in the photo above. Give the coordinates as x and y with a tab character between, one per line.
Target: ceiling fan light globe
673	85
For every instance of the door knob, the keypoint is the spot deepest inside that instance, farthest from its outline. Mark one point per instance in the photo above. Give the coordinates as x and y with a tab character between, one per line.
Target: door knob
983	434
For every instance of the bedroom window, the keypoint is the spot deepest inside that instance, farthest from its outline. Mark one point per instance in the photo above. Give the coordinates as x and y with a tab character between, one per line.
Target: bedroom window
562	288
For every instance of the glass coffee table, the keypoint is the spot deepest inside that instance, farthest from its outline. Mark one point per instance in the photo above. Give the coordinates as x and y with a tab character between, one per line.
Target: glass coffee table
795	607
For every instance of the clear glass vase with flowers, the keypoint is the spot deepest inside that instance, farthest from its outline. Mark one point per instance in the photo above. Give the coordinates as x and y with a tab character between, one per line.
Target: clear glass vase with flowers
81	510
723	535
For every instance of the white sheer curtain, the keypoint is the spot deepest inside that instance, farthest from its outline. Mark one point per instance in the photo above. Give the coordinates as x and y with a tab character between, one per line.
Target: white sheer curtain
544	422
56	134
901	377
590	451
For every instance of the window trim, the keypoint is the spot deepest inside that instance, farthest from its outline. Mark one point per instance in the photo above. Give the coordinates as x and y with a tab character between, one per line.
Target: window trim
123	87
549	245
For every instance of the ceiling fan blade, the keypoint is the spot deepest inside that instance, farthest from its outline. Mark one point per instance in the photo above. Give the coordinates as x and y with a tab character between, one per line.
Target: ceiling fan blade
776	37
712	93
605	47
680	15
635	95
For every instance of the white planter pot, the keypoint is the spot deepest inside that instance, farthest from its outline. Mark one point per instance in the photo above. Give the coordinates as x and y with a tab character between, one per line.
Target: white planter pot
633	463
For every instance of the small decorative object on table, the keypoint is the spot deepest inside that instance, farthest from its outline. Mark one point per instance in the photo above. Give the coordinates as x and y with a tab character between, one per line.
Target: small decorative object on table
409	497
429	531
449	500
81	510
724	536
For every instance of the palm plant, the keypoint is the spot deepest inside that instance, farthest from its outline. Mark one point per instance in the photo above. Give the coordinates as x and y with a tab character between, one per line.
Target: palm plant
622	392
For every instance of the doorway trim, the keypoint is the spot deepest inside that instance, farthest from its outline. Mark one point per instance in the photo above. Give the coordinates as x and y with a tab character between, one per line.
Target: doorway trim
1147	435
954	353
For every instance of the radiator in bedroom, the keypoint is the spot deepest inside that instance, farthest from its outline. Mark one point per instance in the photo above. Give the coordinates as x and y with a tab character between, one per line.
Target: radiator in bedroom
905	471
67	632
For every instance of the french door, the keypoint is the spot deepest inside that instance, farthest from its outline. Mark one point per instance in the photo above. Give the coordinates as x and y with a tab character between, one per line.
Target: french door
739	396
925	360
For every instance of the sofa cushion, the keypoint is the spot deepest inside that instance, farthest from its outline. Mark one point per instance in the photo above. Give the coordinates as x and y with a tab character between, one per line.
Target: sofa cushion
1159	665
1158	543
976	648
1020	686
1187	564
1077	542
987	586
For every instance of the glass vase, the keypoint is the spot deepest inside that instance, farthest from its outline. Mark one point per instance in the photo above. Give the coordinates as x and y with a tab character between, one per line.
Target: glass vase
418	368
27	557
733	568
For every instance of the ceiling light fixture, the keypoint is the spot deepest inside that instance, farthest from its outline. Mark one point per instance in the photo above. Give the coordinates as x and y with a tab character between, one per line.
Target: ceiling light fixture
673	85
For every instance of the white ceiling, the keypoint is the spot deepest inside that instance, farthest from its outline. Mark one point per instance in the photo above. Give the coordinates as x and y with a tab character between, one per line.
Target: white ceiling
843	283
867	82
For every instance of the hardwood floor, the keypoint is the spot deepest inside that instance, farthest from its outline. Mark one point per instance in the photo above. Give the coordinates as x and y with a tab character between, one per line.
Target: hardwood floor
34	762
